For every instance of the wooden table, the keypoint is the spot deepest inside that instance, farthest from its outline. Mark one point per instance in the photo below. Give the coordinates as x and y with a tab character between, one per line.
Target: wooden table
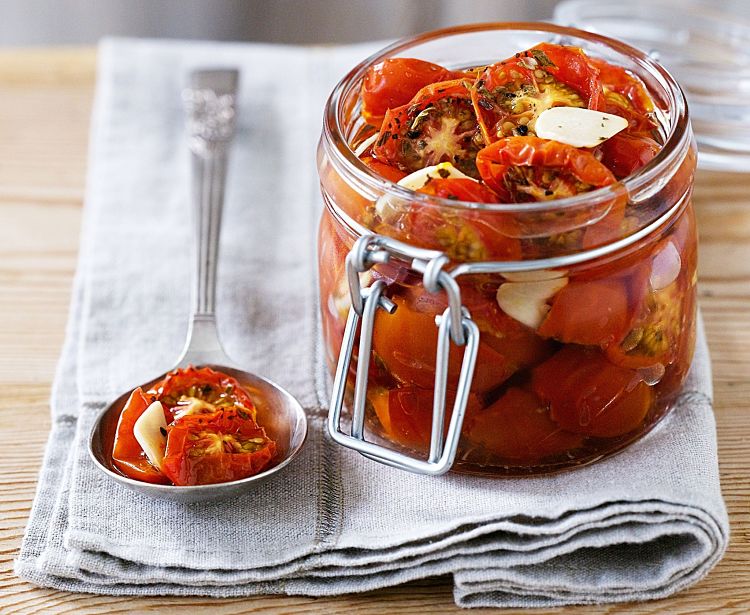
45	101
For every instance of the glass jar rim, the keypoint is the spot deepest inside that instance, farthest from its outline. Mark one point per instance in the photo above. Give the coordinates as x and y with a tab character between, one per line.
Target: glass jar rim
351	167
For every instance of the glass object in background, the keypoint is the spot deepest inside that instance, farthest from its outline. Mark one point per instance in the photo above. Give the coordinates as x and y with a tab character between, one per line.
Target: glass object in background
540	401
706	48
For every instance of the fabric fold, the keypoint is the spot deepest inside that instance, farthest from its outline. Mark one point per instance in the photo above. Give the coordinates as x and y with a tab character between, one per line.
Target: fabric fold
639	525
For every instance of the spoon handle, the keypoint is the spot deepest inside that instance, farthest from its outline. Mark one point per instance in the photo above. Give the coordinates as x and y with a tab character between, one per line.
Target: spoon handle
210	106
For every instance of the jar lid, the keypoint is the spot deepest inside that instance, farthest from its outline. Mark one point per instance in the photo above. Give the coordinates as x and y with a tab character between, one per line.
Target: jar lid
706	49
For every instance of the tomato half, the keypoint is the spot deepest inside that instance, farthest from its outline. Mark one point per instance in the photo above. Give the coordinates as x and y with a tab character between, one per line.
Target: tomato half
201	391
394	82
525	169
518	427
508	96
214	448
595	312
386	171
405	413
438	125
405	342
463	234
589	395
625	95
624	154
127	454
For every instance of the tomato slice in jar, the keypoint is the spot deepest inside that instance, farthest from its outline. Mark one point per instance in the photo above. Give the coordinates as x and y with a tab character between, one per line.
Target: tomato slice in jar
589	395
214	448
405	413
654	339
510	95
518	427
394	82
529	169
438	125
127	454
463	234
405	342
624	153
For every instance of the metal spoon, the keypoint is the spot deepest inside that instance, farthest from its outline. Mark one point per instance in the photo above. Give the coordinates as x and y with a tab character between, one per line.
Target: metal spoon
210	103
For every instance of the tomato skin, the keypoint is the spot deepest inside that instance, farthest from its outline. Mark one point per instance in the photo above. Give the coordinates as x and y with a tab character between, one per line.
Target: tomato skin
386	171
624	154
572	66
127	454
459	189
437	125
495	161
405	342
405	413
595	312
394	82
207	449
591	396
518	427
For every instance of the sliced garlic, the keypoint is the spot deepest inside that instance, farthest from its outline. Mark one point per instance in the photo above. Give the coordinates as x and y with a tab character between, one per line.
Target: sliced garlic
578	127
148	433
340	300
527	301
665	267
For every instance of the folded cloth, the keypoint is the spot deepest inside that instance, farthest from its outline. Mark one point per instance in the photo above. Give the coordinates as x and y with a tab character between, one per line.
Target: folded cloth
642	524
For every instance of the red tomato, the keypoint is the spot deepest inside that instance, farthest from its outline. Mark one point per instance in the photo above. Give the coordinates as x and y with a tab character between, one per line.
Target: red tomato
386	171
438	125
467	235
127	454
589	395
518	427
405	342
625	95
624	154
394	82
595	312
214	448
523	169
204	384
405	413
508	96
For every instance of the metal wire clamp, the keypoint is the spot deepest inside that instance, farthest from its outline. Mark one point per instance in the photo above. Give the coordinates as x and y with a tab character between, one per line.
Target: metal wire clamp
455	325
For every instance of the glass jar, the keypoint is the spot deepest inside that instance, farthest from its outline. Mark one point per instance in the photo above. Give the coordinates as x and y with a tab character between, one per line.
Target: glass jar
507	381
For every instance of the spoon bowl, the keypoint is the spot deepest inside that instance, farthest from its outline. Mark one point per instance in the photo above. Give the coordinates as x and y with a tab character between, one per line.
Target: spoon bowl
280	414
210	105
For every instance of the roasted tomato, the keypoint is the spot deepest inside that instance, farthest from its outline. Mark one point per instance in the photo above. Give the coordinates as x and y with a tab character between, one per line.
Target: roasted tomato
394	82
595	312
463	234
405	343
589	395
405	413
438	125
518	427
201	391
653	339
526	169
624	154
223	446
626	96
510	95
386	171
127	454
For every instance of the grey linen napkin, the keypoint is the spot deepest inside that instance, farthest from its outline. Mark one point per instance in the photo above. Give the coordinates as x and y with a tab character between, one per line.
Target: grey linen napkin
640	525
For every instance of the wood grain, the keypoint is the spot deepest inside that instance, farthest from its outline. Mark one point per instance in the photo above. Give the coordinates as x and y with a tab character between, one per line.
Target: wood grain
45	101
